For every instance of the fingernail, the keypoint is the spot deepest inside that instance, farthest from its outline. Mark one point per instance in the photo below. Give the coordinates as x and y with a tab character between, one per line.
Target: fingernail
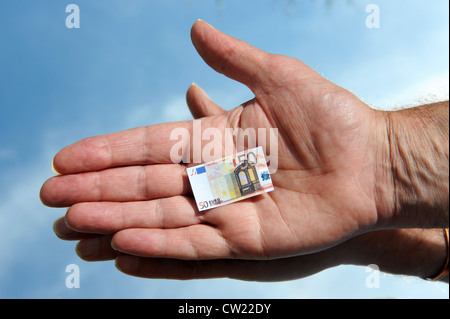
54	169
201	20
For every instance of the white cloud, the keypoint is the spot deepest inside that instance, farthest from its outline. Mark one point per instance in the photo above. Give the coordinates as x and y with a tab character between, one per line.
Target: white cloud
175	109
21	213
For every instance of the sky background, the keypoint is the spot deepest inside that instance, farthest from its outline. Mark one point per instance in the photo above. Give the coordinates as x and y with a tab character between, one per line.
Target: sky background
130	64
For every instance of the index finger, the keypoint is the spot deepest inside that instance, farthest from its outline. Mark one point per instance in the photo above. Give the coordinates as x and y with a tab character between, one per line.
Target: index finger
137	146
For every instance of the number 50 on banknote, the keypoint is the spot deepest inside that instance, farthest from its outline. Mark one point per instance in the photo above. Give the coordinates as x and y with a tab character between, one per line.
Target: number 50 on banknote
230	179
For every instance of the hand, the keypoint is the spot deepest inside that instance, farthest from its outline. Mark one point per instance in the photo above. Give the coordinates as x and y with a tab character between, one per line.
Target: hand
414	252
125	184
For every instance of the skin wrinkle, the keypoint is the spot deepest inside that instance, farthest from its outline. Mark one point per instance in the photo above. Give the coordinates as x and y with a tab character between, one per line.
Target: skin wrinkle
419	171
230	251
304	152
146	147
234	118
290	229
262	236
335	213
270	126
222	65
194	252
123	217
107	143
144	186
282	135
390	136
378	162
98	186
186	186
160	212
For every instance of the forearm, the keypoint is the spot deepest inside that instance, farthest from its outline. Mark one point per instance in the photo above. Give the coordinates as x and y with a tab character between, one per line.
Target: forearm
413	252
416	168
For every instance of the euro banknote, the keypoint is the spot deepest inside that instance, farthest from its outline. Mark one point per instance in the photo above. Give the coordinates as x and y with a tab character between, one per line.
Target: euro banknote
230	179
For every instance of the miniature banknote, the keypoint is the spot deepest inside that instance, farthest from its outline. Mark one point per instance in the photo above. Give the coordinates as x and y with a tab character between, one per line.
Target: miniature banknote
230	179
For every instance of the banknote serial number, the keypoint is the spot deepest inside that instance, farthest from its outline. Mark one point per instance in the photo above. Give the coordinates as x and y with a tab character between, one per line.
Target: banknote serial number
209	203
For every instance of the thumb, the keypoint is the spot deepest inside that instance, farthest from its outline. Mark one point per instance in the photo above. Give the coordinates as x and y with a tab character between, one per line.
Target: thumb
227	55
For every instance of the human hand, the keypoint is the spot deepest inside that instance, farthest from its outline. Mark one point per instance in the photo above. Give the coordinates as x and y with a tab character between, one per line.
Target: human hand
414	252
329	150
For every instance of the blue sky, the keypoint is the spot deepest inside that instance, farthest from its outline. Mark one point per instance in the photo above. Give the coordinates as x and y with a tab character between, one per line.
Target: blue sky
130	64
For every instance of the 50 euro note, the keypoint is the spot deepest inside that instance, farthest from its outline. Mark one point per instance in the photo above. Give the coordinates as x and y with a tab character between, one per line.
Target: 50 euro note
230	179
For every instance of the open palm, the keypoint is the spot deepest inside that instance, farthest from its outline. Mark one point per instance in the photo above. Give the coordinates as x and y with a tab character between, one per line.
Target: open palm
124	185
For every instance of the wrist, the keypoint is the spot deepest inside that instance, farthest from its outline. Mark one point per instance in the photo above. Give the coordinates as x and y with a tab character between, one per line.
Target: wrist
412	252
414	168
